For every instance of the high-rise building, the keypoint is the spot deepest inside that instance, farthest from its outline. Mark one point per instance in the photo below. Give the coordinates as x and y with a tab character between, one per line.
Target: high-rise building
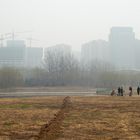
34	57
16	54
54	55
122	43
13	54
137	54
16	43
62	49
96	50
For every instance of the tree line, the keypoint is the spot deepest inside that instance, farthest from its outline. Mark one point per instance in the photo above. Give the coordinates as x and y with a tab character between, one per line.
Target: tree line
63	69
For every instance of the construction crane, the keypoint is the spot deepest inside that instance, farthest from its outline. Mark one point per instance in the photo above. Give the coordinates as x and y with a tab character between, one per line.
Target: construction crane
11	35
30	39
3	37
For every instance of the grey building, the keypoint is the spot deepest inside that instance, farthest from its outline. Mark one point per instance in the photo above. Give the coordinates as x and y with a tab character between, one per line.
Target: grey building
16	54
16	43
13	54
96	50
137	54
62	49
122	44
34	57
54	55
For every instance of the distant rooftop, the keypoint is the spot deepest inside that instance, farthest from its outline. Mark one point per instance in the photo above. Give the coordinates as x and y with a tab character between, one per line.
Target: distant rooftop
15	43
121	29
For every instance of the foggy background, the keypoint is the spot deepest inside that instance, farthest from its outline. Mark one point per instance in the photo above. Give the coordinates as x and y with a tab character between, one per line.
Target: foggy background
69	43
72	22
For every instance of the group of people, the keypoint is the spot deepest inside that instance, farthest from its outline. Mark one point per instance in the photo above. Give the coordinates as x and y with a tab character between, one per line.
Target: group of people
121	91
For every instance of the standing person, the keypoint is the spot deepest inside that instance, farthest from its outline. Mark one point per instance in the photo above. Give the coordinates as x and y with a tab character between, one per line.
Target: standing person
130	91
138	90
119	91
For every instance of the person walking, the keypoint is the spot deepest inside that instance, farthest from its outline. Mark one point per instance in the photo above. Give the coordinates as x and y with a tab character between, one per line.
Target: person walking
138	90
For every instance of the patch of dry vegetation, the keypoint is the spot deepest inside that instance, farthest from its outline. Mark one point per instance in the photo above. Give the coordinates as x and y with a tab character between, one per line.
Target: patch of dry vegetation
90	118
102	118
51	130
23	118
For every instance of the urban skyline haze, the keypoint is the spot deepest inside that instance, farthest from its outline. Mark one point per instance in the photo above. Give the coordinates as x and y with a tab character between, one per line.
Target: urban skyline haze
72	22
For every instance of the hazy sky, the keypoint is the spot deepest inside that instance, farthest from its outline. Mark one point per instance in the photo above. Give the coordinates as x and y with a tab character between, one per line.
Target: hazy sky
68	21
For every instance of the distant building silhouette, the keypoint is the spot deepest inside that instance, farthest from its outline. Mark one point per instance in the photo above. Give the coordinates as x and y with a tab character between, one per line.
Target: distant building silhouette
57	57
34	57
96	50
58	49
137	54
16	54
122	46
13	54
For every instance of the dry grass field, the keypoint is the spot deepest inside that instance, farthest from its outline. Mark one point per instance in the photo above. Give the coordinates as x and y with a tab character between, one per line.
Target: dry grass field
22	118
89	118
102	118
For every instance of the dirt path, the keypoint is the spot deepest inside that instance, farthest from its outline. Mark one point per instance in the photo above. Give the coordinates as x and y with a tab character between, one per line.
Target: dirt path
51	130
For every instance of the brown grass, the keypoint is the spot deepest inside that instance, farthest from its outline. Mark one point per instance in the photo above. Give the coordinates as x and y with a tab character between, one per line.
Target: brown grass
91	118
23	118
102	118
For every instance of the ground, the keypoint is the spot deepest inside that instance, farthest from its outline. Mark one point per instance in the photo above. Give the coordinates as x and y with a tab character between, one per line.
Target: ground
23	117
88	118
102	118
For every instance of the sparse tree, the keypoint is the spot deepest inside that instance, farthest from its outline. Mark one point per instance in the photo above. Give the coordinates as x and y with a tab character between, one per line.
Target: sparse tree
61	66
10	78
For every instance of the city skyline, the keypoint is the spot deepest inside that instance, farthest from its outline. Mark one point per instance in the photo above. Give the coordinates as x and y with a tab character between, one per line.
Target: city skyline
121	50
36	43
68	21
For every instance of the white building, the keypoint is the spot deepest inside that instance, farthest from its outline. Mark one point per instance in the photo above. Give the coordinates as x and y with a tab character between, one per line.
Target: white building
62	49
56	54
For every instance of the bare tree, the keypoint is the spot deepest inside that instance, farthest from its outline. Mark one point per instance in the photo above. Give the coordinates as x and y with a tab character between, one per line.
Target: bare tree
61	66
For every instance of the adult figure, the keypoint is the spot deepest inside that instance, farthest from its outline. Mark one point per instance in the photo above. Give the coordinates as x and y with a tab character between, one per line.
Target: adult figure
138	90
119	91
130	91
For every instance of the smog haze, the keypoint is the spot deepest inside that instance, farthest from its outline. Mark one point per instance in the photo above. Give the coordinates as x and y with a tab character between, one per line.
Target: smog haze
68	21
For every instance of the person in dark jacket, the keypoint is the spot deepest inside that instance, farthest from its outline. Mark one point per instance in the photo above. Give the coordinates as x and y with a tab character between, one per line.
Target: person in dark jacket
138	90
130	91
119	91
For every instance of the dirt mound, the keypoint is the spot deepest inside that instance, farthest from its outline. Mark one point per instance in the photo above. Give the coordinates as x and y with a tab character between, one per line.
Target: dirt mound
51	130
